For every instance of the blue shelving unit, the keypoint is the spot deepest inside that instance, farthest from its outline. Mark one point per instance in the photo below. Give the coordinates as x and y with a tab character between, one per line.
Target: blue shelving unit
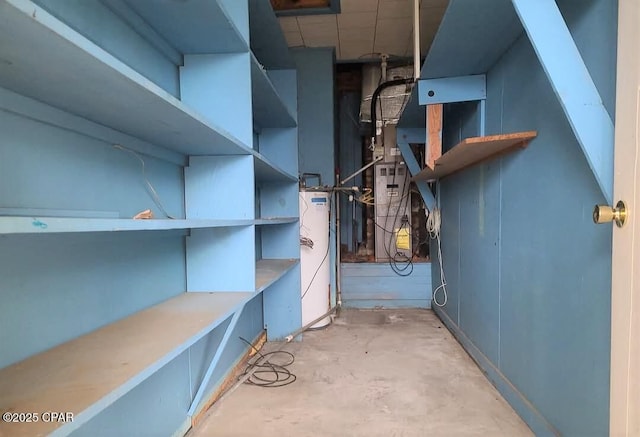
269	111
64	225
199	26
221	153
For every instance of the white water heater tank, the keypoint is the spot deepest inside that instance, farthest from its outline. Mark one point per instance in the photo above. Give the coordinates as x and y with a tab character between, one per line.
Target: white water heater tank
314	261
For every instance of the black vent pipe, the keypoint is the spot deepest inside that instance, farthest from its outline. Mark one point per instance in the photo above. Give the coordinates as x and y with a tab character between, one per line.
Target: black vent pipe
374	100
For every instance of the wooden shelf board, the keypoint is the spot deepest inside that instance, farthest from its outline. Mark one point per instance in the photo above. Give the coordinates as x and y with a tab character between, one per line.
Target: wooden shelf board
268	109
96	369
89	373
85	80
269	271
473	151
43	225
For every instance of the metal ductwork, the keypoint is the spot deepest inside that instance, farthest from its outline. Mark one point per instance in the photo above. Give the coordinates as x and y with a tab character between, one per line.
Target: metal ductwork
392	100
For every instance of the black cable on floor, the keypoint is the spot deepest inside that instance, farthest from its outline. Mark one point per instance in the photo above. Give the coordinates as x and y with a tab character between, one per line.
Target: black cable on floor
262	366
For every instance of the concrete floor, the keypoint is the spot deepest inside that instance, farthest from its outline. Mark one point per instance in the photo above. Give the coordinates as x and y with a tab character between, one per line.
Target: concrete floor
391	373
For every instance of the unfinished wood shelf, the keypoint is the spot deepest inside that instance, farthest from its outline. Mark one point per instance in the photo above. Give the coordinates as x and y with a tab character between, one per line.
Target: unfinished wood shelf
85	375
473	151
269	271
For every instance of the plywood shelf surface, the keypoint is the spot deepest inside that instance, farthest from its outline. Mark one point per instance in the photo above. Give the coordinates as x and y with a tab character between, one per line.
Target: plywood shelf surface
473	151
269	271
89	373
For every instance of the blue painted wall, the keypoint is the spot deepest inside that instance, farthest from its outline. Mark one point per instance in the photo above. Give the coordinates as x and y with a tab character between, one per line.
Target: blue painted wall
43	166
317	124
350	161
528	273
316	115
372	285
459	121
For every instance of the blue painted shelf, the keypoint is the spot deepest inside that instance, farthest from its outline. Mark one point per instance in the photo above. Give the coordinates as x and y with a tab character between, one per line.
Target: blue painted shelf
471	38
268	108
166	330
85	80
267	41
85	375
56	79
53	225
275	221
205	26
192	27
269	271
267	171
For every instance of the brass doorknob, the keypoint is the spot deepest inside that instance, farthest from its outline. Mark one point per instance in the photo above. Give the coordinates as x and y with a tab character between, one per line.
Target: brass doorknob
607	214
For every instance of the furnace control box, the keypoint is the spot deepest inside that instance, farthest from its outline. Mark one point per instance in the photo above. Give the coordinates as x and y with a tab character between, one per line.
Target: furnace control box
392	209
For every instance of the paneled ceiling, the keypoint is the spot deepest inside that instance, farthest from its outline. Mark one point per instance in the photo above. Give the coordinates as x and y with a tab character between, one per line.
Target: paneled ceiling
366	28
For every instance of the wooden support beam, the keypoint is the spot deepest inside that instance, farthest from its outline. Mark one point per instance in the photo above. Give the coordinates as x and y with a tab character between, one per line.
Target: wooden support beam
572	84
214	362
434	134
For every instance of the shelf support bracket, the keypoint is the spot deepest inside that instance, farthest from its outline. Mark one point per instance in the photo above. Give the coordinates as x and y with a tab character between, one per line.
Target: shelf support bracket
404	137
572	84
214	362
452	89
435	92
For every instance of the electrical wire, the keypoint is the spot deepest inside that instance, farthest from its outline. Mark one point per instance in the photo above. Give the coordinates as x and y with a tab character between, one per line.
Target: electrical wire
262	366
366	197
317	270
400	264
434	222
325	255
305	241
152	190
304	212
